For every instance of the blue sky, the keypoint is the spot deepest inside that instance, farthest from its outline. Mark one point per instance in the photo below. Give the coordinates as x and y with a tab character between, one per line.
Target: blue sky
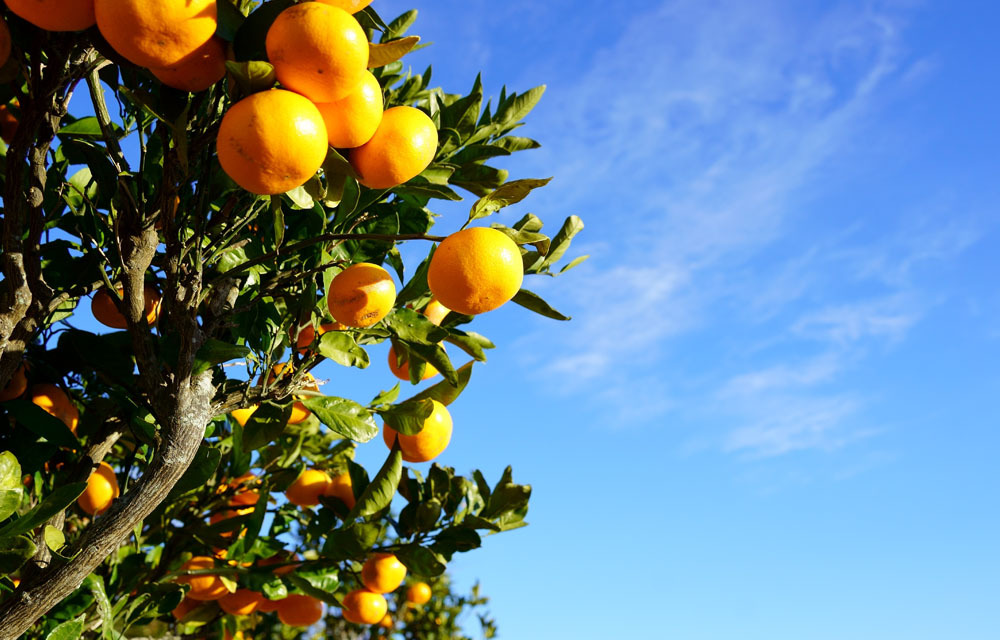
773	414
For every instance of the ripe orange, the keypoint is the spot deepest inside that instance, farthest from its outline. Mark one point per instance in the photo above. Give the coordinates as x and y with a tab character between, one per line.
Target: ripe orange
475	270
435	311
386	622
308	487
102	488
362	606
186	606
342	488
8	123
16	386
4	42
299	611
272	141
280	558
55	15
317	50
361	295
203	586
419	593
103	307
352	120
156	34
243	503
242	602
402	371
299	411
198	71
56	403
382	573
351	6
307	335
268	606
402	147
429	442
243	415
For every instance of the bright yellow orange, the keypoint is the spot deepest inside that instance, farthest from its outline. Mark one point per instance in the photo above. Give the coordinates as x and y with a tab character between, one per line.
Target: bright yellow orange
55	15
475	270
402	147
402	371
4	42
242	602
56	403
8	123
156	34
382	573
429	442
102	489
243	415
435	311
239	636
186	606
198	71
307	488
361	606
353	120
351	6
103	307
419	593
203	586
317	50
342	488
16	386
271	142
361	295
299	611
386	622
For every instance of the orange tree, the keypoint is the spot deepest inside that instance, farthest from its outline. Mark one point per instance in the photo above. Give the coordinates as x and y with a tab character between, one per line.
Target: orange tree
240	194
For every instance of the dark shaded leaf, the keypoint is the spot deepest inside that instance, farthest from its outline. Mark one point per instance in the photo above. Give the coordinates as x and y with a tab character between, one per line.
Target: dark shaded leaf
55	502
421	560
408	417
14	552
445	392
534	302
505	195
265	425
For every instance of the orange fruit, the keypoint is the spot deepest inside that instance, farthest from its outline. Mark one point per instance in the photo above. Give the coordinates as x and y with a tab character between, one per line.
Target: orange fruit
8	123
198	71
307	488
271	142
280	558
429	442
102	488
361	295
244	503
419	593
382	573
203	586
361	606
435	311
243	415
4	42
308	334
186	606
386	622
102	305
16	386
56	403
299	611
351	6
475	270
299	411
242	602
402	147
352	120
268	606
55	15
317	50
402	370
156	34
342	488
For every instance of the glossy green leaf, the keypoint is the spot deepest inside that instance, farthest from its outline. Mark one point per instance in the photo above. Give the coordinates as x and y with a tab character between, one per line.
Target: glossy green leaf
340	347
470	342
318	584
505	195
414	327
54	538
10	500
378	495
10	471
561	242
69	630
445	392
344	417
534	302
58	500
408	417
518	106
95	584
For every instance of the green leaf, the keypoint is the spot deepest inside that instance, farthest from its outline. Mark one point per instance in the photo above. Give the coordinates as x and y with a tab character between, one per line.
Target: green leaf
69	630
400	25
341	347
437	356
96	586
214	352
380	491
534	302
470	342
10	472
505	195
83	127
562	240
408	417
575	262
41	423
518	107
322	585
206	461
229	21
514	143
352	541
15	551
265	425
421	560
445	392
456	539
252	76
55	502
385	397
381	54
414	327
10	500
417	286
506	497
248	43
54	538
344	417
300	198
